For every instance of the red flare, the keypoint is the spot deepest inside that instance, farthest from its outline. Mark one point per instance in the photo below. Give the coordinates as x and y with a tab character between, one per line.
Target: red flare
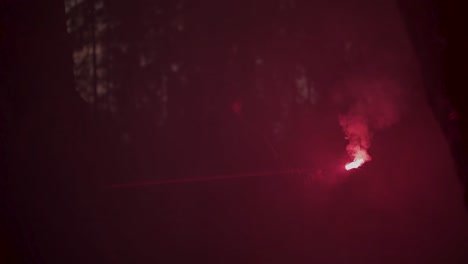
360	157
355	164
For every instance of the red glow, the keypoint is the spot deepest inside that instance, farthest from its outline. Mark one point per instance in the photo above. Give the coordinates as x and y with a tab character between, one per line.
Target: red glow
236	107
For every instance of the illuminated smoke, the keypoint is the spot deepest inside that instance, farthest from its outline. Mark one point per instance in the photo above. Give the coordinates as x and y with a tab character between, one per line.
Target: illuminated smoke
357	133
374	106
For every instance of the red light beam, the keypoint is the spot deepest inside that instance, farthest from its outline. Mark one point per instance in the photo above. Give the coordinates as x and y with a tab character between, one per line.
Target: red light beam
205	179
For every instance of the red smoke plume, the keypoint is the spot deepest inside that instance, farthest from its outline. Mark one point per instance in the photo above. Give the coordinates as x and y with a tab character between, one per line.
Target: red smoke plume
375	105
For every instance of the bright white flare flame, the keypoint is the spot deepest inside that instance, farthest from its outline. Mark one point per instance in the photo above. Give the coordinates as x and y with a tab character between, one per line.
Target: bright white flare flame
360	156
355	164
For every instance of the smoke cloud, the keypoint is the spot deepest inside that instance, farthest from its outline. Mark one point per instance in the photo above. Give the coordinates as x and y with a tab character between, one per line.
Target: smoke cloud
373	105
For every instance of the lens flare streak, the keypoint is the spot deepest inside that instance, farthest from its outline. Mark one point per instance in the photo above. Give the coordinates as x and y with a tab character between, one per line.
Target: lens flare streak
211	178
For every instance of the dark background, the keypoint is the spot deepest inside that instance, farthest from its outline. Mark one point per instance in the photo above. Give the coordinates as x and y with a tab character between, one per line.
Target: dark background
97	93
